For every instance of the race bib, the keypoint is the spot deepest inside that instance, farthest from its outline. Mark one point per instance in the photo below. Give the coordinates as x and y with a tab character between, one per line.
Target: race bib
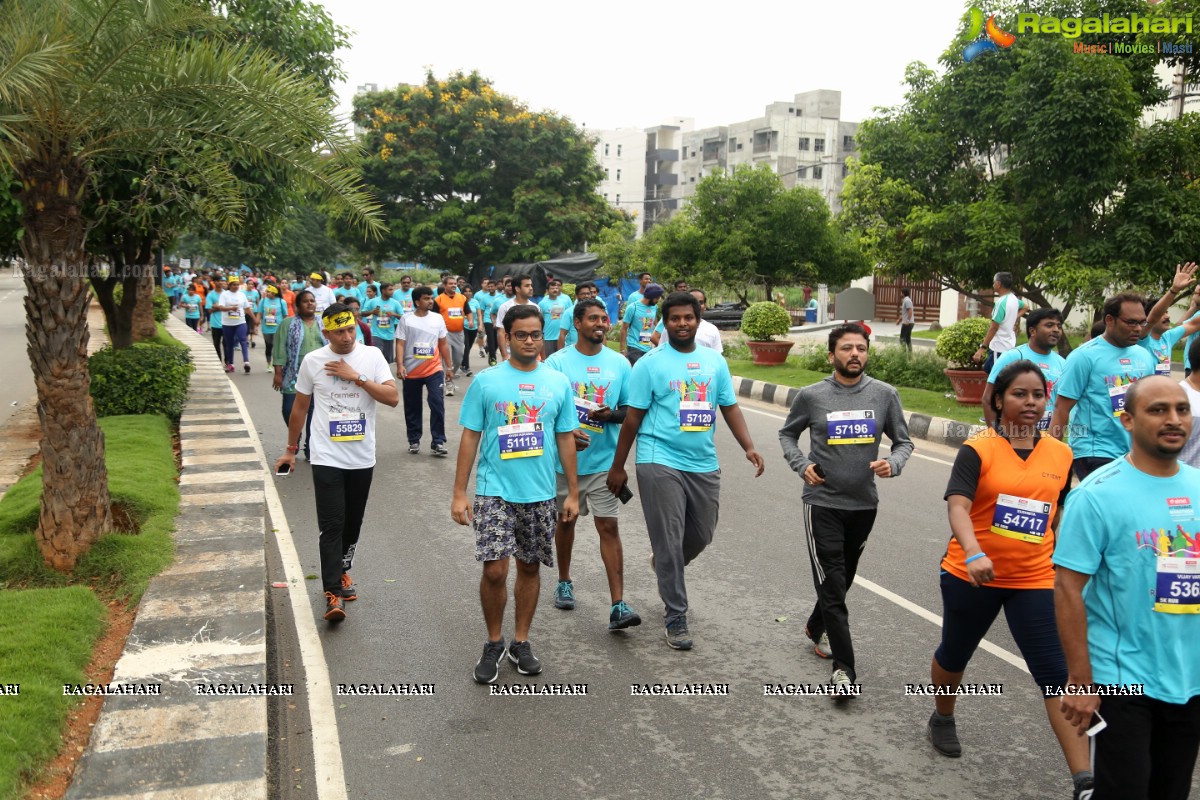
1163	367
556	312
582	408
455	313
1116	397
271	316
696	415
644	336
850	427
347	426
232	317
1021	518
1177	586
1044	422
422	352
407	306
523	440
383	322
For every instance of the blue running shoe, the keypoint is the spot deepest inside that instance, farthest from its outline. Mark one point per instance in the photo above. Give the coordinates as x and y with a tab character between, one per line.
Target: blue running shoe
622	616
678	636
564	595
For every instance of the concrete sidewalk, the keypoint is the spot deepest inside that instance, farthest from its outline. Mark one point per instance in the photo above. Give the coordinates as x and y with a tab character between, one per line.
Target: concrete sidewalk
200	625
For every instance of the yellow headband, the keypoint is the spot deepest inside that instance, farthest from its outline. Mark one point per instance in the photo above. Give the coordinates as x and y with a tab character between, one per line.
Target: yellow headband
343	320
316	276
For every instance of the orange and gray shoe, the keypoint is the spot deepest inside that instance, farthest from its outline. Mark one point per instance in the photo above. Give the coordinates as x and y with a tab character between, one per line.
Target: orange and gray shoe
335	609
349	592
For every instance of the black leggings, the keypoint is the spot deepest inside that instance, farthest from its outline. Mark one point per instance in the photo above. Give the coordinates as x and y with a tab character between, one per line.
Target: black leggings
489	331
341	502
269	341
218	335
469	341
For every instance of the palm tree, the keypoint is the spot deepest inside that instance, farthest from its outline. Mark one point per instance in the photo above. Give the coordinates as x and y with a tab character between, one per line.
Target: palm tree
85	83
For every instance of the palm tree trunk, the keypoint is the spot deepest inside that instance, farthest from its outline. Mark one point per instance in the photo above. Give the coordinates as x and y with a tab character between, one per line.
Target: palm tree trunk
75	501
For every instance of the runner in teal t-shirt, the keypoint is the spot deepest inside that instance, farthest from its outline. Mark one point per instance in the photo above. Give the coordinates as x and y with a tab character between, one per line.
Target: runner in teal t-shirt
272	311
191	303
1044	328
1128	592
520	419
598	378
554	306
674	395
1094	383
637	324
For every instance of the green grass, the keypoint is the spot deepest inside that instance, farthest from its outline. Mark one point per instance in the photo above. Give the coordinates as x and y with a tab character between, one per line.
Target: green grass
141	476
49	622
47	637
920	400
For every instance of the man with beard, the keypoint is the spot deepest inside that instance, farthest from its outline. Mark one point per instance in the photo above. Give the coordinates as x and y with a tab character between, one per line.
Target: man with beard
1125	595
676	391
845	415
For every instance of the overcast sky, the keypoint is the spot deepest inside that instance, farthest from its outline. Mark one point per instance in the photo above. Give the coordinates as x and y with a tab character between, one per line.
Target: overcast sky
619	64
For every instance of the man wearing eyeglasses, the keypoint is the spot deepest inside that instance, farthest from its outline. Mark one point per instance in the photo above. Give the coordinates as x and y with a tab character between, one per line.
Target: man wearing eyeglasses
1091	392
520	417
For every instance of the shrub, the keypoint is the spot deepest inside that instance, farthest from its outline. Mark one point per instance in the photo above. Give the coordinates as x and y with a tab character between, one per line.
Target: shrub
569	290
958	342
921	370
162	305
142	379
763	321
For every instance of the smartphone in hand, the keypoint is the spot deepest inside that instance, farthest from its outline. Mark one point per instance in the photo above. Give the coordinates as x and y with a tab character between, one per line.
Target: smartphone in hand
625	495
284	470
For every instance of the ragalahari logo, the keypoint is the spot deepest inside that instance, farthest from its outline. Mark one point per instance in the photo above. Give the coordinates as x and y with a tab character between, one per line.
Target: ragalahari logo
994	40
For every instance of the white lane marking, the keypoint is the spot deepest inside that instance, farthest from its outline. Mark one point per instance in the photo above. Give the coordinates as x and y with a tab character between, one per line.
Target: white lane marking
327	751
925	614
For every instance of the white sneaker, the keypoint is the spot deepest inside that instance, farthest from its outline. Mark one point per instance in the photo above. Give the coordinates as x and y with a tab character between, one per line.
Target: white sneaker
842	687
449	390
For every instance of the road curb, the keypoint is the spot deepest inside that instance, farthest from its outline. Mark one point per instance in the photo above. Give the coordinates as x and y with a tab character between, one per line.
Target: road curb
201	623
937	430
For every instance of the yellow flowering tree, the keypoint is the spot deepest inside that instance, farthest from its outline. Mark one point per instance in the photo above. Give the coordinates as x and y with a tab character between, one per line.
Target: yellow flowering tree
469	175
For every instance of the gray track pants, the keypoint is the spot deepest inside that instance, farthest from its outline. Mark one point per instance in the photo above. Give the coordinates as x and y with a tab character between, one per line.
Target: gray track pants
681	510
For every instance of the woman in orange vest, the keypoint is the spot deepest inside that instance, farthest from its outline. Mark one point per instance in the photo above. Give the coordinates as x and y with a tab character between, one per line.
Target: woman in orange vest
1005	493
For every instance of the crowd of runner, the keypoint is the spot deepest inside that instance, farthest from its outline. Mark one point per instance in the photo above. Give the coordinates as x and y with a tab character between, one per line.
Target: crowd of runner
1074	510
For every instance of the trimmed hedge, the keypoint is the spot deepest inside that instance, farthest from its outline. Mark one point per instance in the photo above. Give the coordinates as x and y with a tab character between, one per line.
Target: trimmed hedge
142	379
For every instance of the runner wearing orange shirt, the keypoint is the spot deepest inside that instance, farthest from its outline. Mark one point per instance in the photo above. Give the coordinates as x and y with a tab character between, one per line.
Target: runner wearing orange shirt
452	305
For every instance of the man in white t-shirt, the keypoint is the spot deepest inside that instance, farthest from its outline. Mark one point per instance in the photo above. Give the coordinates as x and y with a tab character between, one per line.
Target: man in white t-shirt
1006	315
321	293
423	361
522	292
343	381
235	309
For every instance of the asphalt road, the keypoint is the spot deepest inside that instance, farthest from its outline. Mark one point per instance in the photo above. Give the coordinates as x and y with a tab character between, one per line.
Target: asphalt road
16	390
417	621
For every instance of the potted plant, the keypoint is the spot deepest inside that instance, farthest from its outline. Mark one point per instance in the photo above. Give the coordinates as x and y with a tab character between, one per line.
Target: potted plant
761	323
957	343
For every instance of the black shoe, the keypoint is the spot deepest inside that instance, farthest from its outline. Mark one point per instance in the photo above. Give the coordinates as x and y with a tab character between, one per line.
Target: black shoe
439	450
253	344
521	654
943	735
467	372
1085	789
335	609
488	666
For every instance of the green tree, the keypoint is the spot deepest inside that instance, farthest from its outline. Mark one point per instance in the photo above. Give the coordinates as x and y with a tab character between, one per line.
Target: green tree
84	84
1031	160
746	229
469	175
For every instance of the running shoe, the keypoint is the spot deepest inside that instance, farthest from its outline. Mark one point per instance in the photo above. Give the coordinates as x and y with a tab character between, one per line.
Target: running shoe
246	367
491	362
622	616
842	685
821	644
335	609
229	367
482	354
488	666
1085	789
253	344
449	390
349	591
521	654
564	595
414	449
468	373
943	735
678	636
440	450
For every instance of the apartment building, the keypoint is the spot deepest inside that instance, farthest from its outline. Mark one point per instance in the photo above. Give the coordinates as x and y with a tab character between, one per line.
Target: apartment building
640	169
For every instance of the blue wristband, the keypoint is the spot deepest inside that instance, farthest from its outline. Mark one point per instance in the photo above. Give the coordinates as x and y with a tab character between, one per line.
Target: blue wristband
975	557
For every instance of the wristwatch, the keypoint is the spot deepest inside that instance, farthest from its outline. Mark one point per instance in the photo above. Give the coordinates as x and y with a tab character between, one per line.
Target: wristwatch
360	380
